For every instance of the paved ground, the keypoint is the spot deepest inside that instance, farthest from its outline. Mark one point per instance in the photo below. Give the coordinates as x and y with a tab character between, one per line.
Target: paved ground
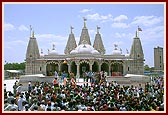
10	83
80	81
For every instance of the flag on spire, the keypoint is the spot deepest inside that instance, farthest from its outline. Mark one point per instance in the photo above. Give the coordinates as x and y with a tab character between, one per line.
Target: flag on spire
139	29
30	27
98	27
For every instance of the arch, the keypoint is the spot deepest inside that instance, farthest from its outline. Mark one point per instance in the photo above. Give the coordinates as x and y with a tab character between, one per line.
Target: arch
51	68
105	67
83	68
52	62
84	61
73	68
95	67
117	68
64	67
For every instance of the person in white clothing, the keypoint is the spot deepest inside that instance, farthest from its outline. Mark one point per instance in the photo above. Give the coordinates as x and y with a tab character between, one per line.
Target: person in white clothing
20	103
12	106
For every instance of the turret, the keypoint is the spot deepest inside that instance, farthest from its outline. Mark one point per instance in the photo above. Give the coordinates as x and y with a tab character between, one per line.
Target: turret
136	49
84	35
98	44
31	55
137	55
71	43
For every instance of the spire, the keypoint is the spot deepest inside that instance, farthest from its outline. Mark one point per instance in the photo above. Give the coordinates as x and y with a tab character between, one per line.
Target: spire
71	43
85	34
32	54
98	43
32	48
136	48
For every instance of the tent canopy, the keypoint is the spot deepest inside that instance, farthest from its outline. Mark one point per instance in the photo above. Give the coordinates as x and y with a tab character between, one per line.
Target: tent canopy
13	71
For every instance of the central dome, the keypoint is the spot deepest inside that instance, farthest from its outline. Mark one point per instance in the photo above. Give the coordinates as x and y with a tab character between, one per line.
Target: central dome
84	49
116	51
53	51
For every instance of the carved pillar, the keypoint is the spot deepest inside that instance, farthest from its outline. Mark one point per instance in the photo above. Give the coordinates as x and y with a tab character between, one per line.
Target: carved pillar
90	65
124	67
109	69
44	70
77	64
69	66
100	63
59	66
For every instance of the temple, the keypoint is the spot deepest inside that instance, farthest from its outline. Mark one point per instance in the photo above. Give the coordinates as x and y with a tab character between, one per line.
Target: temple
85	57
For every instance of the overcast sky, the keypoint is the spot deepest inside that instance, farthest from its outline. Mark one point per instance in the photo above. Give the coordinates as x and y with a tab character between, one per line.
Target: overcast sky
51	24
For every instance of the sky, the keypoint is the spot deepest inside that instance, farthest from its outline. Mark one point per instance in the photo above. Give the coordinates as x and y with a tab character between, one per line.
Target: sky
51	24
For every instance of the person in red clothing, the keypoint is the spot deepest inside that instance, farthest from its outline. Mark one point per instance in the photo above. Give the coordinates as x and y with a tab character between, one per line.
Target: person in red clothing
65	81
55	82
73	83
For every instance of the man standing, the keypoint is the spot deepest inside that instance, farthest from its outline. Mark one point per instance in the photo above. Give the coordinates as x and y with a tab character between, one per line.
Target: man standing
20	102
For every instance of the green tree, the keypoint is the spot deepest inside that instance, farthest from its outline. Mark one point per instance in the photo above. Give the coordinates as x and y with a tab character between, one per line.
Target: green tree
14	66
146	68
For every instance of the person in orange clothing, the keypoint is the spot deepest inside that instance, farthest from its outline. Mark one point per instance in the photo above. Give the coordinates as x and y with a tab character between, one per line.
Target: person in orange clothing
73	83
65	81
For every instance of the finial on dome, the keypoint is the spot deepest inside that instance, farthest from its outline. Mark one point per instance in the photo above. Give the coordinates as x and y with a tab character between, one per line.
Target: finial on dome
53	46
41	51
121	50
115	45
48	51
127	51
84	22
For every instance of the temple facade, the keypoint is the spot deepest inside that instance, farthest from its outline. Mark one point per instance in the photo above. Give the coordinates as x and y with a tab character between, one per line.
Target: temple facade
85	57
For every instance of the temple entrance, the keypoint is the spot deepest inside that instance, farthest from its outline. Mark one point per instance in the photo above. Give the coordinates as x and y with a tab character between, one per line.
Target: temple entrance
117	68
64	68
73	68
51	68
95	67
84	67
105	68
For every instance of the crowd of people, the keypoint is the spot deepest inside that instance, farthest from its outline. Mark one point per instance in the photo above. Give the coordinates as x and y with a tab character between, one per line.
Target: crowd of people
100	95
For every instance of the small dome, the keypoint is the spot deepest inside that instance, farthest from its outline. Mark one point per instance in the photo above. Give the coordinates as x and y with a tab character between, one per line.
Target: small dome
95	52
74	52
41	54
116	52
53	52
127	55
